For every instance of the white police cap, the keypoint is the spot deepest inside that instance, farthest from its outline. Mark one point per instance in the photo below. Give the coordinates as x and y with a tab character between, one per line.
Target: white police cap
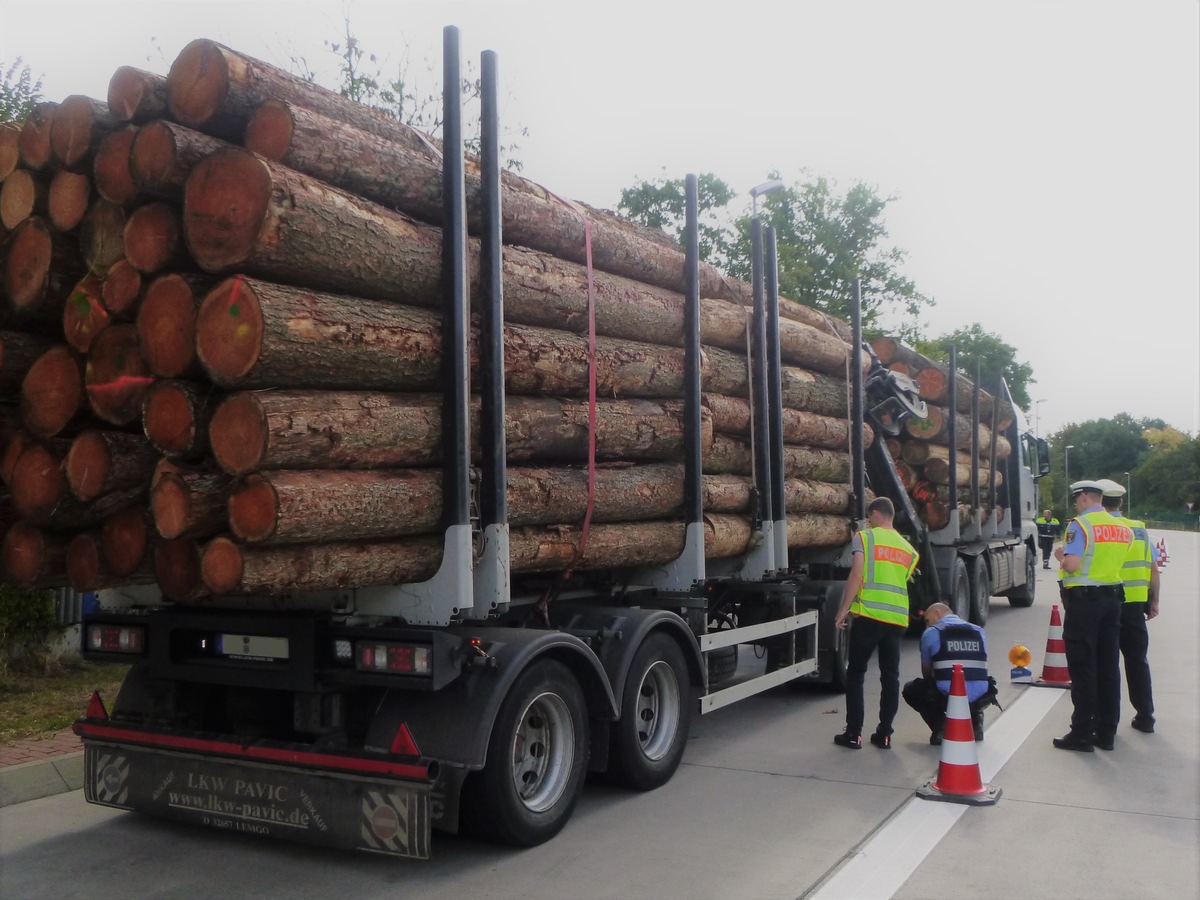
1091	487
1111	488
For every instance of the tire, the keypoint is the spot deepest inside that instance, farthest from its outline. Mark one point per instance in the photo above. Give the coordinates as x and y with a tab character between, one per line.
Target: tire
959	595
647	743
981	590
1022	597
536	760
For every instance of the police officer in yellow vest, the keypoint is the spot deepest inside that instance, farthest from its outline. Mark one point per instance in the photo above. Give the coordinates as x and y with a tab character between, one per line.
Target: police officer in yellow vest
1140	579
1047	527
1092	559
876	595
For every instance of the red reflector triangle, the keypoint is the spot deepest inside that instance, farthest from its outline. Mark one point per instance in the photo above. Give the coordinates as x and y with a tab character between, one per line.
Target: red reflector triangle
403	743
96	708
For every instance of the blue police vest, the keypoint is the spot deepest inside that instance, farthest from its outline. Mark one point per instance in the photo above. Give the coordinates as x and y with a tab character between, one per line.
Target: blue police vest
960	644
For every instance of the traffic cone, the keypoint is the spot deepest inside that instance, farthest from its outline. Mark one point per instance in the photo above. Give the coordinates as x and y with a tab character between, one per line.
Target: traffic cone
1054	669
1163	556
958	779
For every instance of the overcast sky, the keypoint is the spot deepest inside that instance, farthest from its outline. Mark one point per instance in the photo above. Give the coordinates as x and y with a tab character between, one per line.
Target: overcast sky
1045	156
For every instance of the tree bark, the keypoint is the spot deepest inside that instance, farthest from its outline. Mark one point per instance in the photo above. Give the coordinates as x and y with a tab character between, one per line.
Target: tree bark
42	267
296	429
731	455
121	291
23	194
176	416
18	352
52	395
137	96
80	124
191	503
732	415
110	168
70	196
117	376
34	142
731	494
166	324
84	315
154	239
101	462
163	155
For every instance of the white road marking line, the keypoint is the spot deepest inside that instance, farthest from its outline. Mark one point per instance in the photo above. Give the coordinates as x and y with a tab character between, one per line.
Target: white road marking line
881	866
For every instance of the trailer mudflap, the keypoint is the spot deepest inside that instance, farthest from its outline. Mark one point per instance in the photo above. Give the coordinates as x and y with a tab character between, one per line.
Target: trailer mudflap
298	804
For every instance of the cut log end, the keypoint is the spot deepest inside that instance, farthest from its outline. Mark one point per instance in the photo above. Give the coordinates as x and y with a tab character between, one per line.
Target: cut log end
152	158
111	168
229	331
20	197
221	566
238	434
254	510
75	124
83	562
84	315
70	193
269	131
52	392
117	376
166	326
87	465
124	538
134	94
38	484
197	83
30	250
152	237
169	503
177	568
121	289
168	419
224	207
24	553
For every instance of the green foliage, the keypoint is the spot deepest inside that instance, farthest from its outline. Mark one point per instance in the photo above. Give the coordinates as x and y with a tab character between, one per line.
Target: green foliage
995	358
824	240
27	620
19	93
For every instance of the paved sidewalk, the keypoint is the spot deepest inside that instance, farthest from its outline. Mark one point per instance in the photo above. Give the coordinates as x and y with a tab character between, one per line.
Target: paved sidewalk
40	767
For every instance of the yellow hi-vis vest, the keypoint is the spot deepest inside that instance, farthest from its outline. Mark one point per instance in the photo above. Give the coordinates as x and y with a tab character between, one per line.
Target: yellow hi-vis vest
888	563
1136	572
1105	549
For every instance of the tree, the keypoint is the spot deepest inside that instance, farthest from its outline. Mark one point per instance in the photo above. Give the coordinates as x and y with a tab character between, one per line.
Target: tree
995	358
824	240
19	93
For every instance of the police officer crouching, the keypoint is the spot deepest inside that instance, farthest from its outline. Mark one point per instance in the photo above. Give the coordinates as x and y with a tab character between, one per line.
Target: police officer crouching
947	640
1092	558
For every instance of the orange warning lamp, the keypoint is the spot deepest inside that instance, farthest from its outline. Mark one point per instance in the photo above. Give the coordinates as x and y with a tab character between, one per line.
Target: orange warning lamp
1019	655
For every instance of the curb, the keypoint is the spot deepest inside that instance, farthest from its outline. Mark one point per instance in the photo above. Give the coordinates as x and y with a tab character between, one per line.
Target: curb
41	778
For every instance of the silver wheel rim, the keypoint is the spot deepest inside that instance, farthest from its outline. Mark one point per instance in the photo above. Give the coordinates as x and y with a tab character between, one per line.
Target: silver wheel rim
543	751
657	711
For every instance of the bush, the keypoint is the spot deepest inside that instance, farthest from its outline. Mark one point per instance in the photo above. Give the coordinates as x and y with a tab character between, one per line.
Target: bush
27	622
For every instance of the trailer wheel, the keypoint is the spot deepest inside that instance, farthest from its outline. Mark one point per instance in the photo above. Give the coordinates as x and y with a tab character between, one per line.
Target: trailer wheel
959	599
649	739
981	591
1023	596
536	760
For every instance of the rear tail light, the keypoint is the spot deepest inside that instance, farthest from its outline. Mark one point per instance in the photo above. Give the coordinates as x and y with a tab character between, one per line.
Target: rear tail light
116	638
400	659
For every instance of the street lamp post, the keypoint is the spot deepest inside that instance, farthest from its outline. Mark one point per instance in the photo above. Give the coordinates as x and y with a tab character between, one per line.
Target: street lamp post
1067	476
1128	496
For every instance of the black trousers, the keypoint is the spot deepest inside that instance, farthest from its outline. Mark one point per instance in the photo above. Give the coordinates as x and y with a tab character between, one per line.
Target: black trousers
1092	635
1047	545
866	635
922	694
1135	643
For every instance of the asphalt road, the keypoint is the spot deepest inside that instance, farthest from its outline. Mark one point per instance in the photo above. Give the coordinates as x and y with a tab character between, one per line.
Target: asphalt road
764	806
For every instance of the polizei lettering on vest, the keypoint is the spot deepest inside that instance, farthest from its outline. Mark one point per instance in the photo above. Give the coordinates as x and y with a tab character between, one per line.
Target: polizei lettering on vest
956	646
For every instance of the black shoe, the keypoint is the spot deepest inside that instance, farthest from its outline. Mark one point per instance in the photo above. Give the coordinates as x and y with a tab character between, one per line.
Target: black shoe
849	741
978	732
1144	724
882	741
1104	743
1074	742
936	738
1045	565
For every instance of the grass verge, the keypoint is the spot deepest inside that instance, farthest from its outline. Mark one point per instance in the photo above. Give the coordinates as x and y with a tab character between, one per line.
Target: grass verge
42	703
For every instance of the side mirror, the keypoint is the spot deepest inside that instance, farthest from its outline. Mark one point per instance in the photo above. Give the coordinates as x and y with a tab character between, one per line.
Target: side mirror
1043	455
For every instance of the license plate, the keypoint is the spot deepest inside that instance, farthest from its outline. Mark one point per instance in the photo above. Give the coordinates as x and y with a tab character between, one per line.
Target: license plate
256	647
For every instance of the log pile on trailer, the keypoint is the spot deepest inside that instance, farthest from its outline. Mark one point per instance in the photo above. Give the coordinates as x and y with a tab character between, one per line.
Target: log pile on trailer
220	353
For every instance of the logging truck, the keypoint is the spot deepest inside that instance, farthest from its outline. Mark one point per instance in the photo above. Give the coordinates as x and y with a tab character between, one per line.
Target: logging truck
409	570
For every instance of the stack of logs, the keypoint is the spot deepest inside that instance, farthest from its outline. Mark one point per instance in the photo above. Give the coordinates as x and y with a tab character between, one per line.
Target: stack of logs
220	345
922	450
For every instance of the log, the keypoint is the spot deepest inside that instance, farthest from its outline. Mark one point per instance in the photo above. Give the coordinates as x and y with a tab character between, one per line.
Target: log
936	429
80	124
166	324
917	453
84	315
730	455
191	503
938	471
732	415
295	429
40	494
254	334
732	494
18	352
10	150
87	570
117	377
122	290
14	445
100	462
177	571
52	395
125	539
34	557
163	155
41	268
110	168
23	194
70	196
176	415
137	96
102	235
34	142
814	392
154	239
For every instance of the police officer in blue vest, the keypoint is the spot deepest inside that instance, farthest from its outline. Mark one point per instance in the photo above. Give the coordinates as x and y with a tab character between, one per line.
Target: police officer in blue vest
947	640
